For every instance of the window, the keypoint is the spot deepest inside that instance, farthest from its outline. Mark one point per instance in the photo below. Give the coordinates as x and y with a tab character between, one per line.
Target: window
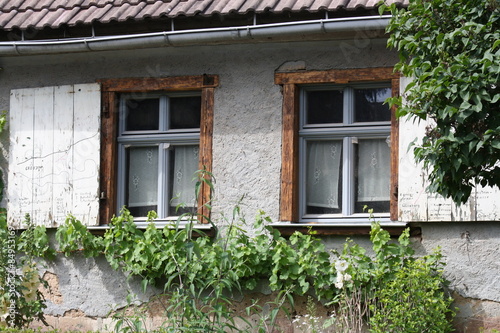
339	145
155	134
158	153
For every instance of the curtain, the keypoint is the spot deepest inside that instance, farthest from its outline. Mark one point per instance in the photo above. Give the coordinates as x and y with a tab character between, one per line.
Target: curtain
373	170
185	165
323	173
143	176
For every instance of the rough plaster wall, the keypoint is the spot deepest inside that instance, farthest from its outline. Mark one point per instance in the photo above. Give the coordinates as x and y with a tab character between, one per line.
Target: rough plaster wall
89	286
471	251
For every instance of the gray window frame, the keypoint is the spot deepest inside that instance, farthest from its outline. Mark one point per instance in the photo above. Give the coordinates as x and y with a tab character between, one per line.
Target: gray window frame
348	132
164	138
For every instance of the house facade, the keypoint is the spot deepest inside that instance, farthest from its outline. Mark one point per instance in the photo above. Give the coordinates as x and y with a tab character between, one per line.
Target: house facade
118	103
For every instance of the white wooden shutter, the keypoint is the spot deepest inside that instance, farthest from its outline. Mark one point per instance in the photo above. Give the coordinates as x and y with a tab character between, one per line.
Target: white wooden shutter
54	154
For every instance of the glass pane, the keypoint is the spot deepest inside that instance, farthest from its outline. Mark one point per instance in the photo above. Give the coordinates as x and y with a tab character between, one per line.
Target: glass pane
369	105
324	177
185	112
142	180
324	106
183	166
142	114
373	174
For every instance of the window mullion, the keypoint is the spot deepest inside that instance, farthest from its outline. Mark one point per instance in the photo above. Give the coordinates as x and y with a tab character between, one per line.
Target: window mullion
163	162
302	176
348	157
164	119
348	106
122	176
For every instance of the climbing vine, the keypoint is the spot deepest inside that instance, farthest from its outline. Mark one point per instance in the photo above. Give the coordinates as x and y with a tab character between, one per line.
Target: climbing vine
202	274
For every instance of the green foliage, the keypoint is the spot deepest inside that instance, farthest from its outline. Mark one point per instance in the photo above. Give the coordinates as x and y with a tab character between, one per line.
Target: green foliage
303	264
451	50
3	122
34	242
73	236
201	275
388	290
415	292
20	300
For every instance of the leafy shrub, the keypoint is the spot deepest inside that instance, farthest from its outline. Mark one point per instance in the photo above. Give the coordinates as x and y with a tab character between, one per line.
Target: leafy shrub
20	300
414	301
391	291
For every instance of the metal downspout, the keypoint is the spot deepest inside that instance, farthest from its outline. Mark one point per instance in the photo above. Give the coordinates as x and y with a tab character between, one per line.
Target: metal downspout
193	37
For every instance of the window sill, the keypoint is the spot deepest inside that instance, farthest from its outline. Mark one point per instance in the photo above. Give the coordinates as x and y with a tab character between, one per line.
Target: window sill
348	228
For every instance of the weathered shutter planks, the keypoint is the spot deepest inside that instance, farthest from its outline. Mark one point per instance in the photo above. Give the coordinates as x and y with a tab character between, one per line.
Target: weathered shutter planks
54	154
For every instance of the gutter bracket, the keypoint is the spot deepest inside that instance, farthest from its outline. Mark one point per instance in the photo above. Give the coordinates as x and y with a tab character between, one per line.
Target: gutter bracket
167	40
249	33
86	44
15	48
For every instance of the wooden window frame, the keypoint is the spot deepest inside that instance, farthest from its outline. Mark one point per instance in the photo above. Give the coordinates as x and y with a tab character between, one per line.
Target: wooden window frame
291	82
110	90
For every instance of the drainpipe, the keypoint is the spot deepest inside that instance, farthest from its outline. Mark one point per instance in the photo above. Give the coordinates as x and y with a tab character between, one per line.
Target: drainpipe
251	33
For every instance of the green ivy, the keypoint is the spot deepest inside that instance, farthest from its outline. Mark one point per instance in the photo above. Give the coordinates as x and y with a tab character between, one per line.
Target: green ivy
201	275
451	51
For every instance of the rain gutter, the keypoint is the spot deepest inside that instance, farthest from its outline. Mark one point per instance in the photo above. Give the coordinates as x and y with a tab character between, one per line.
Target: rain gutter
259	32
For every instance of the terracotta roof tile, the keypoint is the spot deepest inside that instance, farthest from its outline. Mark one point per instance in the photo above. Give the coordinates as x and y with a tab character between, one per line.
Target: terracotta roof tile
64	16
151	9
284	5
199	7
38	14
233	6
5	19
20	20
114	13
265	5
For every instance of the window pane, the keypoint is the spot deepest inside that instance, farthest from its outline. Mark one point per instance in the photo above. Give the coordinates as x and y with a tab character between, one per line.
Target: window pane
373	171
142	114
183	165
142	180
324	106
369	105
323	177
185	112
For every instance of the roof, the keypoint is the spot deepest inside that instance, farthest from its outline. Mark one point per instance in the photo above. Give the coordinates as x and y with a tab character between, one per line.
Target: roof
39	14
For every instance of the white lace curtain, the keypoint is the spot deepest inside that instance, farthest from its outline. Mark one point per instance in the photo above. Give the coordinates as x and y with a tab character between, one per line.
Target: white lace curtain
143	176
373	170
185	166
323	173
